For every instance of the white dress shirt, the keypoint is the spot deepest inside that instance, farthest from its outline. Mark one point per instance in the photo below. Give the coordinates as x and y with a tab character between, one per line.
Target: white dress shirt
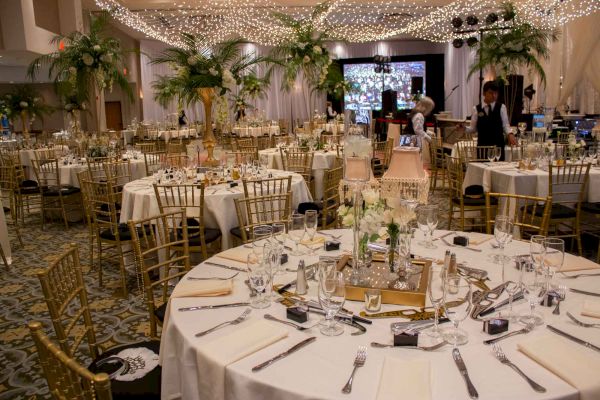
418	122
487	109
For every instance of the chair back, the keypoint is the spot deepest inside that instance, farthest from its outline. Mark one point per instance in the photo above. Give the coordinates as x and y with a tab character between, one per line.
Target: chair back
263	187
46	172
66	298
331	196
160	246
563	137
263	142
262	210
245	154
468	151
567	183
174	148
96	167
297	161
145	147
118	172
243	142
177	160
154	161
103	201
66	378
45	154
454	166
531	214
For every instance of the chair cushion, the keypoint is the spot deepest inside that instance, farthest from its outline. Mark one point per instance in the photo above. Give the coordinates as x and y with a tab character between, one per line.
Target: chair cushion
304	207
558	211
28	183
146	387
474	201
237	232
593	208
474	191
5	209
64	191
210	235
159	312
124	233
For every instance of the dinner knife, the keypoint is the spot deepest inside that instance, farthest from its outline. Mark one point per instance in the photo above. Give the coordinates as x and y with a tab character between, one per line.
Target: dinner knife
584	292
463	371
501	304
224	266
214	306
573	338
286	353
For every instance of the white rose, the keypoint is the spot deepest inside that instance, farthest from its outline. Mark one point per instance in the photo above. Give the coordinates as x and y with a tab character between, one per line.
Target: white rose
192	60
23	104
317	50
105	58
301	45
213	71
97	47
72	70
228	79
342	210
370	196
348	220
87	59
306	59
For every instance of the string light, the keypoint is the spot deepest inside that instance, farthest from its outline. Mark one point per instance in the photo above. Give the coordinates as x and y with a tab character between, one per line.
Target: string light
350	20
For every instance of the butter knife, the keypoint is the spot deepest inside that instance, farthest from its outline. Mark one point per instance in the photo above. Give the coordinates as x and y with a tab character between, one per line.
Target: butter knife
573	338
214	306
286	353
584	292
463	371
225	266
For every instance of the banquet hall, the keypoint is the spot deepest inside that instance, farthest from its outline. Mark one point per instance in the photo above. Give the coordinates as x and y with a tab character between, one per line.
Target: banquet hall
285	199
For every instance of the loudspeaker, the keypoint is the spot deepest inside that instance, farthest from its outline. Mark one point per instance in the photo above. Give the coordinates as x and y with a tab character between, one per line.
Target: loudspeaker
389	102
416	85
511	94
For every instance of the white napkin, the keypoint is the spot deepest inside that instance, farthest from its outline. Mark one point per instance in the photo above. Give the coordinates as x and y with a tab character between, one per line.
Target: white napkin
576	263
213	357
476	238
591	309
573	363
239	254
409	378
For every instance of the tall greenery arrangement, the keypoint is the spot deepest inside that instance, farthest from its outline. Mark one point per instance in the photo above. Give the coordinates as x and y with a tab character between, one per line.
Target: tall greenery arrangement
84	62
24	102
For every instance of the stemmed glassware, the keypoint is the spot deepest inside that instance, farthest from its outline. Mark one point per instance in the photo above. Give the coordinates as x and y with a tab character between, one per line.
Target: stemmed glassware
272	256
491	154
332	294
498	153
259	234
554	256
259	278
503	233
533	282
427	220
296	231
311	222
511	288
522	127
435	291
457	304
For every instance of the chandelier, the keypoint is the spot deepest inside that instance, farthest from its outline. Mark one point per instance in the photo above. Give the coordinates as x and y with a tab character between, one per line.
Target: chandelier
349	20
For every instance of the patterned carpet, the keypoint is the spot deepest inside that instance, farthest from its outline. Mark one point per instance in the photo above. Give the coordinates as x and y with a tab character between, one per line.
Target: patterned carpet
117	320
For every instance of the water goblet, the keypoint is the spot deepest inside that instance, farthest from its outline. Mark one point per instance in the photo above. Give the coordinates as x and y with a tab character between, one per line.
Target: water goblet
259	234
258	276
534	284
498	153
312	222
457	306
332	294
491	154
296	231
272	256
554	256
503	232
522	127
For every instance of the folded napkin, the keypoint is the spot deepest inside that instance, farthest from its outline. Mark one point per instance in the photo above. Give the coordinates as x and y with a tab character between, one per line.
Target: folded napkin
213	357
575	364
239	254
315	240
476	238
409	378
591	309
576	263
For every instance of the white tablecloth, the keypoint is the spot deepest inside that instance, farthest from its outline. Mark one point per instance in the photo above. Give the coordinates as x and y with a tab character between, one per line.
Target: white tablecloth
506	178
507	151
321	161
4	240
319	370
174	134
139	201
243	131
128	136
27	155
68	173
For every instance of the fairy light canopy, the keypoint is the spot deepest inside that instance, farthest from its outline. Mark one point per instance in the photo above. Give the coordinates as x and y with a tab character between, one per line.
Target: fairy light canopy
349	20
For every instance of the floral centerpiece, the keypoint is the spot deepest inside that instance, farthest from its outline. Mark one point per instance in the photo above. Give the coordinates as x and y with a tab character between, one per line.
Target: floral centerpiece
396	218
24	103
573	146
73	107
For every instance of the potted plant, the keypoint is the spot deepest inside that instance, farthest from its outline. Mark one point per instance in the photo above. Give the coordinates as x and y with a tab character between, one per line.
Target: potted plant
201	73
85	64
25	103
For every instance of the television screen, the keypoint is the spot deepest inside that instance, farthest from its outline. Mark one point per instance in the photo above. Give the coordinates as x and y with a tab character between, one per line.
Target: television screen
370	84
538	121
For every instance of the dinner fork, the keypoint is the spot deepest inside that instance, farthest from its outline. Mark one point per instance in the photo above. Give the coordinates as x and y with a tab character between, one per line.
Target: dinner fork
298	327
561	291
504	360
528	328
359	361
581	323
236	321
214	278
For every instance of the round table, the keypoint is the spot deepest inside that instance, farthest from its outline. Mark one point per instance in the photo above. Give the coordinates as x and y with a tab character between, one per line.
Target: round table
322	160
27	155
319	370
245	131
139	202
68	172
174	134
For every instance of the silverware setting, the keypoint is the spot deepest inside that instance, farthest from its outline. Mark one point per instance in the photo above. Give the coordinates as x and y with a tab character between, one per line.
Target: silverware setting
281	321
286	353
504	360
581	323
359	361
573	338
577	275
527	329
424	348
224	266
214	278
236	321
462	368
241	304
561	293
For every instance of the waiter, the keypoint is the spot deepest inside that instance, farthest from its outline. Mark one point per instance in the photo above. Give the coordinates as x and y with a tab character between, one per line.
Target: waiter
490	120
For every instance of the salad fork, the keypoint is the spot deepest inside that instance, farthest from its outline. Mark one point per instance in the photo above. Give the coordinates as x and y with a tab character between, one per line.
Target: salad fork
236	321
359	361
298	327
504	360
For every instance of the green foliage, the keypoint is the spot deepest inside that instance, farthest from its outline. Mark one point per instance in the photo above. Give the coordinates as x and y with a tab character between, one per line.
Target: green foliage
196	65
86	60
25	98
335	84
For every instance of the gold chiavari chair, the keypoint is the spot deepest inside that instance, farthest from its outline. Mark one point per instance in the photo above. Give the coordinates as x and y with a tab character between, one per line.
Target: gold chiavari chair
110	234
66	378
437	166
246	154
262	187
283	126
263	142
45	154
567	186
177	160
160	245
458	201
382	154
563	137
10	199
55	197
66	297
299	162
118	172
524	210
191	198
331	196
243	142
27	191
260	210
174	148
468	151
96	167
83	177
145	147
154	161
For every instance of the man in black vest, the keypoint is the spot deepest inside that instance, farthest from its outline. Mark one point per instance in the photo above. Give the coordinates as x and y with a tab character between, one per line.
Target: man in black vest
490	120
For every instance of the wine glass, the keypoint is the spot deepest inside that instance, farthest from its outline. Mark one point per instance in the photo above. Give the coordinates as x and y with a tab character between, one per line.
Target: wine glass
332	294
533	282
554	256
503	232
491	154
427	220
522	127
259	233
272	256
258	276
457	305
311	221
296	231
511	288
498	153
435	291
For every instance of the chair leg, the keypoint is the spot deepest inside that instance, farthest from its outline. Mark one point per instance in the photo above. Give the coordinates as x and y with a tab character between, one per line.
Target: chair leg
64	213
122	270
100	283
4	260
450	214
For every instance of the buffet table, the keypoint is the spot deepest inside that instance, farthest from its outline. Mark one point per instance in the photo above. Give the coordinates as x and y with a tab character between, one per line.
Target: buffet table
139	202
319	370
504	177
